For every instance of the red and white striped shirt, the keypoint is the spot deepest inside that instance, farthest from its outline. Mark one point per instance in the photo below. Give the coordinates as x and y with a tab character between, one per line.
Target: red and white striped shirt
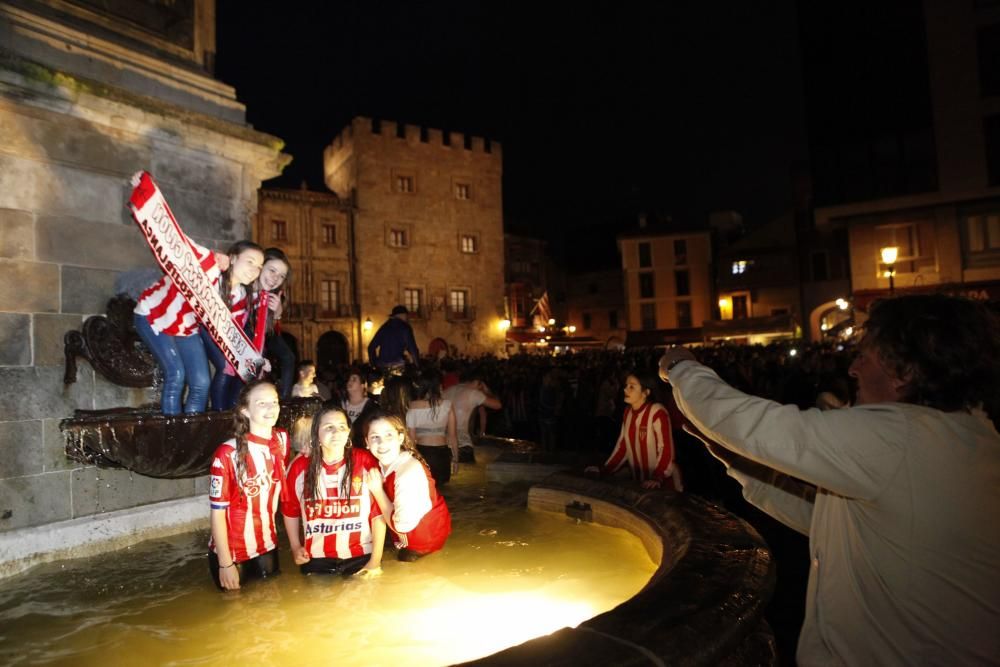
166	309
335	526
250	507
645	443
419	512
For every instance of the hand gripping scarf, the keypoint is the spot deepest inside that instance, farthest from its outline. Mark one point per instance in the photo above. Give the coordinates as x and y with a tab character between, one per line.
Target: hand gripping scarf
178	260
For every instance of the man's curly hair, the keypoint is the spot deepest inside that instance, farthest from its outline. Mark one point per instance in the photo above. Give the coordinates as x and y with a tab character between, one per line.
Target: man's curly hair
946	348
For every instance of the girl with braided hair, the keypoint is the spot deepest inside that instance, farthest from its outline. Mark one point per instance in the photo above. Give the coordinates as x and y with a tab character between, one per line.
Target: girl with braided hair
327	498
245	482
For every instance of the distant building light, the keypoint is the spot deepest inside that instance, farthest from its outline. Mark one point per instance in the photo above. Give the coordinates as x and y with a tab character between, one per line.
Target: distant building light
849	331
368	324
823	327
552	321
503	324
572	328
541	329
740	266
842	304
793	352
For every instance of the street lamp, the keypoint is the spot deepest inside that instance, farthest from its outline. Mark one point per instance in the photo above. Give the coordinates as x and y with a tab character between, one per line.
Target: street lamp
889	255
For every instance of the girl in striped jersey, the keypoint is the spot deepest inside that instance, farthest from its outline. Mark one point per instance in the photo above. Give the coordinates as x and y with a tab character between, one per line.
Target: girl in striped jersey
645	442
409	500
236	289
327	496
244	487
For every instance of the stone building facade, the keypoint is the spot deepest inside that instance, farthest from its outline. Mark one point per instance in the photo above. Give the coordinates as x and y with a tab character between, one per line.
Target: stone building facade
315	229
88	97
428	219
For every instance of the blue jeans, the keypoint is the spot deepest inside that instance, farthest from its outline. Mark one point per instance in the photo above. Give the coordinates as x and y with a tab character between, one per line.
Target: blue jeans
225	389
182	359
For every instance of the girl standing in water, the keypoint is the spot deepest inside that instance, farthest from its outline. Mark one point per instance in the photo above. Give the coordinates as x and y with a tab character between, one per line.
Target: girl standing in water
328	491
415	512
244	488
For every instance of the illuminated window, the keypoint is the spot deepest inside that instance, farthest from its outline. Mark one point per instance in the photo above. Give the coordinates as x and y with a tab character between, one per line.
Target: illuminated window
330	234
458	302
329	295
412	300
398	238
279	230
741	265
463	191
740	307
469	243
405	184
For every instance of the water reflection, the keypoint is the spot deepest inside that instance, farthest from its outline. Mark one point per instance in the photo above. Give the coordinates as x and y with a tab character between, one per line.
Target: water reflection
506	575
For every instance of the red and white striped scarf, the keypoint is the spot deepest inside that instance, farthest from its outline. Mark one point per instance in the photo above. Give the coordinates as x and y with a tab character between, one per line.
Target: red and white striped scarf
177	259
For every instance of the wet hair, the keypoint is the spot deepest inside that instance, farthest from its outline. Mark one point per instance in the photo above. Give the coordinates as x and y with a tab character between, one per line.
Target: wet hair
648	381
312	485
241	426
427	387
946	349
399	425
396	395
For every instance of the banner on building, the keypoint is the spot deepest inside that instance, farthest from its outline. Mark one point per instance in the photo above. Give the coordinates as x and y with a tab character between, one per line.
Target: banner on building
178	260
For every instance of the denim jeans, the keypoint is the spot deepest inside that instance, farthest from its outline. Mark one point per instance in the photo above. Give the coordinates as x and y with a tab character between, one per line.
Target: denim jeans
182	359
225	388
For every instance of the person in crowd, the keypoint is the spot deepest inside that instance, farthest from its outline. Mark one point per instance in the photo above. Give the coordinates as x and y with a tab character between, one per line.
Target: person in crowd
396	395
645	443
168	325
327	495
393	345
466	397
417	515
306	386
430	422
357	404
275	276
245	482
902	522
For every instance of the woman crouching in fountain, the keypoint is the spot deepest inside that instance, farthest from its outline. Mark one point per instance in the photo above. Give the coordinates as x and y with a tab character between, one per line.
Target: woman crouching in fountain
415	512
245	485
327	490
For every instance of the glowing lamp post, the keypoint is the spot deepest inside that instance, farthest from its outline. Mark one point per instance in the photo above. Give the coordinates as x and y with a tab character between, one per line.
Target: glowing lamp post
889	255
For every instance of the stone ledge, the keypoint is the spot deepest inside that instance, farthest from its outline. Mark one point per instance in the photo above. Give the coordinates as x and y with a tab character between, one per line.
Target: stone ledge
704	604
26	547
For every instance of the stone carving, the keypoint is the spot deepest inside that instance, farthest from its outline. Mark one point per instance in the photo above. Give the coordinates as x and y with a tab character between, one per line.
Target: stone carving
111	345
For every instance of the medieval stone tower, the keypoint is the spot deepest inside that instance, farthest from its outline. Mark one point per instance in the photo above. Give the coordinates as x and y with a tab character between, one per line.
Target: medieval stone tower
428	229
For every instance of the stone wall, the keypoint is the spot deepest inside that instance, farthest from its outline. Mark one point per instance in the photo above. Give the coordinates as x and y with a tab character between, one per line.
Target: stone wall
68	144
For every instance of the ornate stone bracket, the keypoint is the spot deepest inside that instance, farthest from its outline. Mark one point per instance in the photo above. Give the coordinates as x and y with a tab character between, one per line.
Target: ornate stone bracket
112	346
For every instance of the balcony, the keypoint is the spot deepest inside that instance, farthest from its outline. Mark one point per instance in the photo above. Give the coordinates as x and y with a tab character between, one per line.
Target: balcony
298	312
420	313
466	314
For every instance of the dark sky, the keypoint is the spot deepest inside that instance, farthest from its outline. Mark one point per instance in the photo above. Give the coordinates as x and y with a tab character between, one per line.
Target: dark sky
603	109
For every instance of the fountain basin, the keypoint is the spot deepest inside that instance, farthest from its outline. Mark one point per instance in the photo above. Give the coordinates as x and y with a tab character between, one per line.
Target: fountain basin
704	604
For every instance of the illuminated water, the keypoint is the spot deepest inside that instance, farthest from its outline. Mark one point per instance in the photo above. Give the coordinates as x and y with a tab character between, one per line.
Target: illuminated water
506	575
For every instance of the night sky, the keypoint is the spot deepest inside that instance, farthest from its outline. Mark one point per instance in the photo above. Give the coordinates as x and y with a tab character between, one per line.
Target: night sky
675	108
